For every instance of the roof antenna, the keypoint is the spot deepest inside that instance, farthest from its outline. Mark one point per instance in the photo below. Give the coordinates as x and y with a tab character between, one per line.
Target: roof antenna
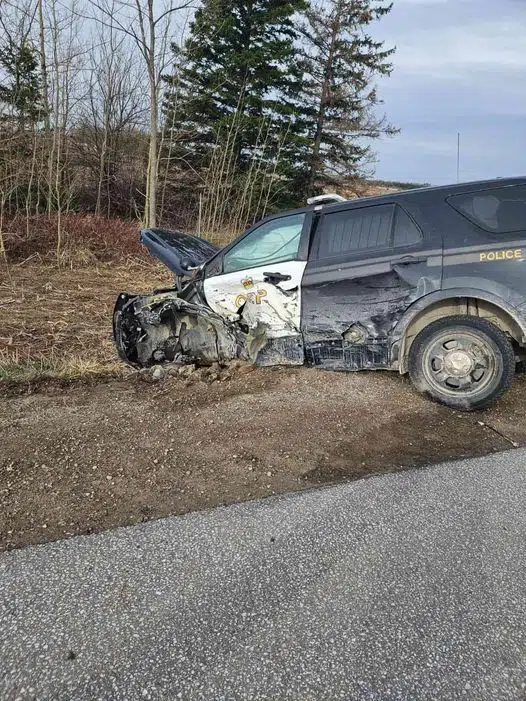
458	157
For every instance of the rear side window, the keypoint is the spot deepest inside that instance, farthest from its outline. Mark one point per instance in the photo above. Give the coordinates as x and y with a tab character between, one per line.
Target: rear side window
354	230
500	210
406	232
367	228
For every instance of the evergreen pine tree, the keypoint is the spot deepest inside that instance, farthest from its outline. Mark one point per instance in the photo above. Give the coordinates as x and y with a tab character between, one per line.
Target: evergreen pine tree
239	88
341	62
21	103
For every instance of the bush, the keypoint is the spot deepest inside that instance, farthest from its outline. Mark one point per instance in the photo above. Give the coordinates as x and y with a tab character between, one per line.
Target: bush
85	238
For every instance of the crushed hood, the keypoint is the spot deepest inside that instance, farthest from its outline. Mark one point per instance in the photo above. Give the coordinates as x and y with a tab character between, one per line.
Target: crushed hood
178	251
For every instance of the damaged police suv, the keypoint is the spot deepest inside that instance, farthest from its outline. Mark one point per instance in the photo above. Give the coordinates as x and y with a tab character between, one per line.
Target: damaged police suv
429	282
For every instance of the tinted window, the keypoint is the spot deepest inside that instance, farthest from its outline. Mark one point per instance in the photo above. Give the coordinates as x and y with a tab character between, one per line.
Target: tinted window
273	242
354	230
406	232
500	210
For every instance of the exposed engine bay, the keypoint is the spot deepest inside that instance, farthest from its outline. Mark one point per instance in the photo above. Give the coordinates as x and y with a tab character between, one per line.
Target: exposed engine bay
166	328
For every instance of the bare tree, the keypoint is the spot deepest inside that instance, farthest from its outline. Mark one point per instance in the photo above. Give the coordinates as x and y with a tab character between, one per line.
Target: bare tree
66	55
230	198
111	120
43	64
149	25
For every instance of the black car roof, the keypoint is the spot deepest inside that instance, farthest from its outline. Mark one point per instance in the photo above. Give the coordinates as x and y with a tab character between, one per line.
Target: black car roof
416	192
456	188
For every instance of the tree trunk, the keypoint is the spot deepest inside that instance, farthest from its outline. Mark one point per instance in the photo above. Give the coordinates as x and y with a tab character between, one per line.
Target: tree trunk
151	192
43	67
314	165
324	101
102	167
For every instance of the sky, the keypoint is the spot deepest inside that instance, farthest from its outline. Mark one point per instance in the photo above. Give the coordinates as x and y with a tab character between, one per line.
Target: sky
460	66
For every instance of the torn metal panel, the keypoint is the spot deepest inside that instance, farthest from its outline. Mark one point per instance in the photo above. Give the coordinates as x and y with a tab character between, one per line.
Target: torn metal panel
274	308
152	329
341	355
164	328
353	335
349	314
270	295
286	350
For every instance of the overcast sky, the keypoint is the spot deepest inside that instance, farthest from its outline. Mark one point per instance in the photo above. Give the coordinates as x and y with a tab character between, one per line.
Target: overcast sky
460	66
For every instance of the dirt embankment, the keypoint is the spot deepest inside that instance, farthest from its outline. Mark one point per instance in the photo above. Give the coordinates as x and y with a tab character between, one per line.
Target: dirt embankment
81	457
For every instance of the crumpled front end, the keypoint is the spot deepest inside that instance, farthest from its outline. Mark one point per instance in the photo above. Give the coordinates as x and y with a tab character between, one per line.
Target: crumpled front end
164	328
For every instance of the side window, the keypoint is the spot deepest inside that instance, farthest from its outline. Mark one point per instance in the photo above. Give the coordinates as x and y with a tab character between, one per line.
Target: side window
406	232
353	230
500	210
275	241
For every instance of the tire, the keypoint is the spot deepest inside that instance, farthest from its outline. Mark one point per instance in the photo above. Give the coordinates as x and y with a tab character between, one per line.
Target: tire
464	362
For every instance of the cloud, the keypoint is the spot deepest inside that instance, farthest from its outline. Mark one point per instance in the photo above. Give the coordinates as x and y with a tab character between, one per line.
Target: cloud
422	3
459	66
454	52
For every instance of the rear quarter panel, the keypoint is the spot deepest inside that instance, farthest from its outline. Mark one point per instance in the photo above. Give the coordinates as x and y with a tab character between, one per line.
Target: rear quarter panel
483	261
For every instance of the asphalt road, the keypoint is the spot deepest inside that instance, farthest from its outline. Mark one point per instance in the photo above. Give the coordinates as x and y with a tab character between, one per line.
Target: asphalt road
408	586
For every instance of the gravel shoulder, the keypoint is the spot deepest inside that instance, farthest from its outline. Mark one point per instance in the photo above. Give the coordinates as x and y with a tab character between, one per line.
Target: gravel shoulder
81	457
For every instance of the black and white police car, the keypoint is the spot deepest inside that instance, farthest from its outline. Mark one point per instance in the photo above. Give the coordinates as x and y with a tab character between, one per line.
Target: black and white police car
429	282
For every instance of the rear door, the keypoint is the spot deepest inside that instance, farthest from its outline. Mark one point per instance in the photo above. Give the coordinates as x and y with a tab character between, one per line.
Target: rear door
367	264
259	277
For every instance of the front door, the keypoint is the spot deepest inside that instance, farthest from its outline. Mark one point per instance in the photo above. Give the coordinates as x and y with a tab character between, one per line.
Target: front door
260	281
367	265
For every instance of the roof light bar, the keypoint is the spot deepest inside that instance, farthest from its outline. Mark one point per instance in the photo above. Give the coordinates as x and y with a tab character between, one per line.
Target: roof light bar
326	199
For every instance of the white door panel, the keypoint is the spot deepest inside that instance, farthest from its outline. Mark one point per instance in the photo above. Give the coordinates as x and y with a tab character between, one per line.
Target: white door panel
277	305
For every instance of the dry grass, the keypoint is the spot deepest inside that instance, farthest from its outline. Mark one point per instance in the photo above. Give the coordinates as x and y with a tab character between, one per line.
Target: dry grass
56	313
86	239
58	322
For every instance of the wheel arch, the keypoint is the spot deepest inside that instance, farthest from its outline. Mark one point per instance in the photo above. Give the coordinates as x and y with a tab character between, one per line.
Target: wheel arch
451	303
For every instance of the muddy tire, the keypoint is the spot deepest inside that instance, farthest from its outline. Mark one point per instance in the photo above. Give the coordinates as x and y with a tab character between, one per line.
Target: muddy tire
462	361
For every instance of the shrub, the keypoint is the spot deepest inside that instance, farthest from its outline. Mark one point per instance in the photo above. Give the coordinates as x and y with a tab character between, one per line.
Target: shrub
85	238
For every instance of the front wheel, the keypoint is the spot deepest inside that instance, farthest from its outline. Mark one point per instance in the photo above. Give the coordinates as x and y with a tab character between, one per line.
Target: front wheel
462	361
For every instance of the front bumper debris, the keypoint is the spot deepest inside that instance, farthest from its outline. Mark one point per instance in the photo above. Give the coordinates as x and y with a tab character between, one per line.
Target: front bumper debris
163	328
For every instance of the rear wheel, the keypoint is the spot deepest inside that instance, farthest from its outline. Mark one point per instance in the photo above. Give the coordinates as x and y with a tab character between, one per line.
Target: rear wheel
464	362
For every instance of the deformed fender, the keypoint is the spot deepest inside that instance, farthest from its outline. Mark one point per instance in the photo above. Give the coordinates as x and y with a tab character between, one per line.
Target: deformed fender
398	332
165	328
156	328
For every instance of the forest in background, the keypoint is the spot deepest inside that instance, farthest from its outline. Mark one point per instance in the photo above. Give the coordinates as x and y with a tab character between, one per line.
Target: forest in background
201	116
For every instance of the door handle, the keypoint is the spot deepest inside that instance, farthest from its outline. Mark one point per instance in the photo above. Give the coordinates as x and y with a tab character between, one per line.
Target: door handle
408	260
275	278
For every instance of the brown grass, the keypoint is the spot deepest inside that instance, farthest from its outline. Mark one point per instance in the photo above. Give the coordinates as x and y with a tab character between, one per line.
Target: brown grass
56	314
58	322
86	239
